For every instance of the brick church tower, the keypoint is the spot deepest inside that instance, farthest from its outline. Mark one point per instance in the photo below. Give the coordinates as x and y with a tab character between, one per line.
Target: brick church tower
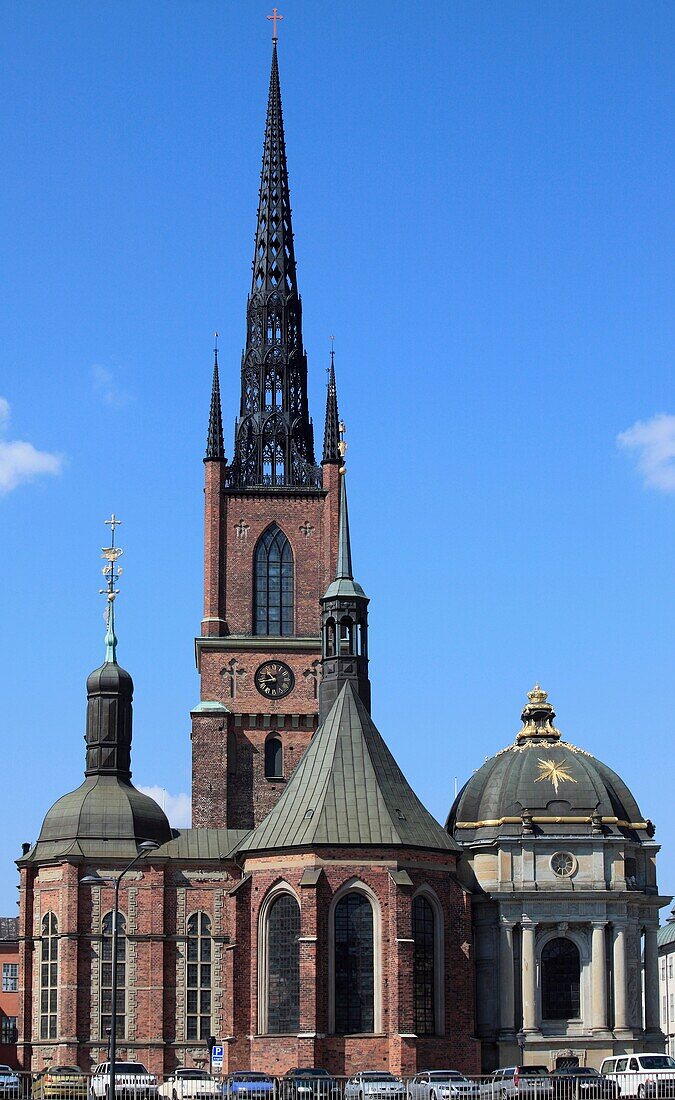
270	538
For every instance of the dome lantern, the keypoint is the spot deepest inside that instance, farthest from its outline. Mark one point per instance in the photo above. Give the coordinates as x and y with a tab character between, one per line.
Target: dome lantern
537	717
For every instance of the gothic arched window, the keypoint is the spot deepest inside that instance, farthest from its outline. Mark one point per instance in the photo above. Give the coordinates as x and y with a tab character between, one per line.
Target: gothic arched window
283	966
354	966
274	762
273	584
423	929
106	975
560	980
49	976
198	977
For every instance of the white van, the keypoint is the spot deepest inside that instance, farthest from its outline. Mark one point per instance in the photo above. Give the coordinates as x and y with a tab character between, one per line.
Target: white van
647	1076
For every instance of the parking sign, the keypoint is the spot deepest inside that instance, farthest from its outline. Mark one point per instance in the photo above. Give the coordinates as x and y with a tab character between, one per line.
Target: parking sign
217	1056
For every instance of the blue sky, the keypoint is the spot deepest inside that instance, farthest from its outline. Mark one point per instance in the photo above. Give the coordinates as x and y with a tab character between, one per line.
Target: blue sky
482	198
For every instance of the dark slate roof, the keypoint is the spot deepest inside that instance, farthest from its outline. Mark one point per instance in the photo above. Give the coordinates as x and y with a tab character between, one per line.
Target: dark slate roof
9	928
348	790
521	777
105	816
203	844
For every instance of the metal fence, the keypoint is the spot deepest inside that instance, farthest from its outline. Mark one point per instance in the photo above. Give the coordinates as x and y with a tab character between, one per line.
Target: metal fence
566	1083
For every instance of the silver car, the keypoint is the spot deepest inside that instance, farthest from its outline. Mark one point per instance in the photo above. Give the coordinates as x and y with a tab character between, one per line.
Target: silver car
374	1085
442	1084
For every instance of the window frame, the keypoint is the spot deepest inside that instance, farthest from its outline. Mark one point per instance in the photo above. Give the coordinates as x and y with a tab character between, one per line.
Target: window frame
546	946
263	956
105	1018
203	986
49	1017
357	885
428	894
283	585
10	977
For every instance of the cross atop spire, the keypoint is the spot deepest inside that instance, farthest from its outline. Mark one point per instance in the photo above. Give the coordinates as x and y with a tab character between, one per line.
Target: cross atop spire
275	17
215	448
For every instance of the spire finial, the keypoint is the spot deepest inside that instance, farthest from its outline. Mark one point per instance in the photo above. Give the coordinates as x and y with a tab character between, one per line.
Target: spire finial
215	448
112	573
331	432
275	17
344	562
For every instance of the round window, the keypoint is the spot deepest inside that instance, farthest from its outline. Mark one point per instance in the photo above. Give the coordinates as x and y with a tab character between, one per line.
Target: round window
563	864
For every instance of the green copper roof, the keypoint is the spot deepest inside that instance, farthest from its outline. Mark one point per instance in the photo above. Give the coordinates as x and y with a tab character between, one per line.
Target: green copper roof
346	790
203	844
106	815
666	933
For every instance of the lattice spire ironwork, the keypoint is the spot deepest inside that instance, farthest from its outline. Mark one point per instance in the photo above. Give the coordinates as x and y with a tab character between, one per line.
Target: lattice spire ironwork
215	448
274	439
331	432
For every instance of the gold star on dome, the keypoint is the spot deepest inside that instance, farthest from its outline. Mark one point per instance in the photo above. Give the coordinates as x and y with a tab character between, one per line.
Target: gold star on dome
556	771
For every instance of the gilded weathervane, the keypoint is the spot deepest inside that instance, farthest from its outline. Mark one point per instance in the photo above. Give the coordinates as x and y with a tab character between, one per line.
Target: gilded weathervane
556	771
112	573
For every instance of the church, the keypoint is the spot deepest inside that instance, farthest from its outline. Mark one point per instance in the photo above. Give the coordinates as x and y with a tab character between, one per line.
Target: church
316	913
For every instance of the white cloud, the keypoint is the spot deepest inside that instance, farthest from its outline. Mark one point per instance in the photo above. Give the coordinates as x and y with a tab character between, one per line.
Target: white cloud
177	807
653	442
21	461
107	387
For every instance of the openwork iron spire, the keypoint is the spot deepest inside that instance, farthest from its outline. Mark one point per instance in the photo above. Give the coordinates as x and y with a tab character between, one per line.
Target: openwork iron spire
274	440
331	432
215	448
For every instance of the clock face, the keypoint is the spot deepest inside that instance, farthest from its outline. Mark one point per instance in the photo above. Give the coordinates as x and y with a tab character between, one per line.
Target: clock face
274	679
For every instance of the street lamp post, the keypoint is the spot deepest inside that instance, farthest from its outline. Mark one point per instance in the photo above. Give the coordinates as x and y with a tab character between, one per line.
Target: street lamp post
144	848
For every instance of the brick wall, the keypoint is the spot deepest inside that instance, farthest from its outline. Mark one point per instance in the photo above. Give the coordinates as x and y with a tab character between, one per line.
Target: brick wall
157	901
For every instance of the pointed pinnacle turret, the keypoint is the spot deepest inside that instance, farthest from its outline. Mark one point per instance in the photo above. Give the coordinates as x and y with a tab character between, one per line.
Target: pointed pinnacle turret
344	583
215	448
331	433
274	438
344	623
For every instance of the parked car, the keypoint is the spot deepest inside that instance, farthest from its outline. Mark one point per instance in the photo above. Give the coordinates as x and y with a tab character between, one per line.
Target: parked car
374	1085
643	1075
308	1084
186	1082
442	1084
246	1085
132	1081
60	1083
519	1083
10	1085
582	1083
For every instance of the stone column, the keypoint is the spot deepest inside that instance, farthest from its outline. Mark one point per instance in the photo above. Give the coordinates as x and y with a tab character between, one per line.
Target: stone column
598	978
620	977
506	999
529	982
651	964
